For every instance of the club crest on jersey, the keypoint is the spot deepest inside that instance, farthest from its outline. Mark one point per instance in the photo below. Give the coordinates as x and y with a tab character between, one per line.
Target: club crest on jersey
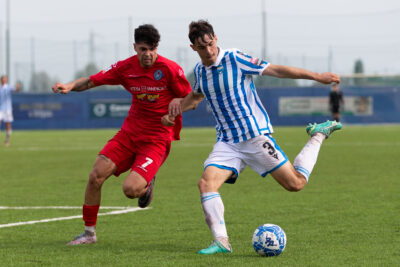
220	69
158	75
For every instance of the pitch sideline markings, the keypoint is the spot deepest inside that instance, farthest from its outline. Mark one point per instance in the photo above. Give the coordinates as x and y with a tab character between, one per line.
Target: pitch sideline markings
121	210
59	208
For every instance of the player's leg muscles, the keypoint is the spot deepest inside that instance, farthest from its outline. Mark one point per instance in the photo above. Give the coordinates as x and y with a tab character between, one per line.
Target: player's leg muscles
102	169
134	185
212	179
213	207
289	178
8	126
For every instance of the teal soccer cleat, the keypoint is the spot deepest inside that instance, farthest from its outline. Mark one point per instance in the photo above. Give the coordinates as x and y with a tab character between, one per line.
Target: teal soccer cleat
325	128
215	247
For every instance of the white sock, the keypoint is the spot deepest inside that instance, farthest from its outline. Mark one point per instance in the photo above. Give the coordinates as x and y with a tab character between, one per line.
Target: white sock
306	159
90	228
213	208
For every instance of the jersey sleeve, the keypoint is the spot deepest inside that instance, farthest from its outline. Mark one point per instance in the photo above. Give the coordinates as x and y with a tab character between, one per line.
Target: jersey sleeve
196	86
250	65
179	84
108	76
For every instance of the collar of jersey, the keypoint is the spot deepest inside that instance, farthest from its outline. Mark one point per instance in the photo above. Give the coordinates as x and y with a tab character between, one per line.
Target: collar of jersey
221	53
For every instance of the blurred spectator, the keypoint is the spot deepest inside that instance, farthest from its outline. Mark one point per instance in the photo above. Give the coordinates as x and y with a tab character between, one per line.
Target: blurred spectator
335	102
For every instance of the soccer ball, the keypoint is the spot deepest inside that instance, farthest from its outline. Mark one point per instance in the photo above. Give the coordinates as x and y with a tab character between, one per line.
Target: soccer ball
269	240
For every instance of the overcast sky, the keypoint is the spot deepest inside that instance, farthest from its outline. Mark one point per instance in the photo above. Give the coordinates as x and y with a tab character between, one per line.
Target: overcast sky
53	36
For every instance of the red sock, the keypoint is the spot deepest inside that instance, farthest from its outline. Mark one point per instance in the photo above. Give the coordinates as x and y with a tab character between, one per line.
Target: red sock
90	214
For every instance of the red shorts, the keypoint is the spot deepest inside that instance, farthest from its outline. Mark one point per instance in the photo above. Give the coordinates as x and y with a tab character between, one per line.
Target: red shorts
144	157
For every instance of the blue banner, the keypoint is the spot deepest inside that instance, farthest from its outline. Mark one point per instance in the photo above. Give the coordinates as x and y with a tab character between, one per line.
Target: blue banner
285	106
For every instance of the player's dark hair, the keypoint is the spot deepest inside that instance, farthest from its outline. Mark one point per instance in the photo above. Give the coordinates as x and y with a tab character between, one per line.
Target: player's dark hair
147	34
200	29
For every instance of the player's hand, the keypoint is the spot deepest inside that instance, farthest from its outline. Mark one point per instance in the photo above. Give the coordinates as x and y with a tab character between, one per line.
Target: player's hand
168	120
175	107
17	86
328	78
61	88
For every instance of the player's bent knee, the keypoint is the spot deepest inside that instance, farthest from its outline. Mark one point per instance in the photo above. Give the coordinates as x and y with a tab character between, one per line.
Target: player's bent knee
131	192
201	183
204	185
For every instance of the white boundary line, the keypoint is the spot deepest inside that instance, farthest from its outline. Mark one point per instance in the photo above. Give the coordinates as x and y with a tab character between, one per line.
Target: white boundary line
120	211
59	208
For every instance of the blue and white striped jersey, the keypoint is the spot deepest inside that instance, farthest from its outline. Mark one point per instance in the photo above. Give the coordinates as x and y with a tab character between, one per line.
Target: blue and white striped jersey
5	98
229	88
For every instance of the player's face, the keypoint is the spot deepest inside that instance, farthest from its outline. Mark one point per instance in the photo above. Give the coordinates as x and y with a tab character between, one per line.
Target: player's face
3	80
207	49
147	55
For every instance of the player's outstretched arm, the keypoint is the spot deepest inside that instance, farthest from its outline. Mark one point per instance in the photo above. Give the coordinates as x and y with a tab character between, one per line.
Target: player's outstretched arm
191	101
179	105
281	71
78	85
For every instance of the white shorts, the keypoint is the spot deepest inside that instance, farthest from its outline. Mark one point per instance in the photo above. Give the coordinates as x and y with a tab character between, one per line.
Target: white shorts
6	116
261	153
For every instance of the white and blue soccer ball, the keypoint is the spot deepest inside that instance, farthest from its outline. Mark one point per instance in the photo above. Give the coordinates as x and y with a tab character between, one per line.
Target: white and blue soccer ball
269	240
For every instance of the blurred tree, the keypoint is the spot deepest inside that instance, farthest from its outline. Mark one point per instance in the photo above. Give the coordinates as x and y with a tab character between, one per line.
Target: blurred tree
269	81
190	78
261	81
358	69
89	70
40	82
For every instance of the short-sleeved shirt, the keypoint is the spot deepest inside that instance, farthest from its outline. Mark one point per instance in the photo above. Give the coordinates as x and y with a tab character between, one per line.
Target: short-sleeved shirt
152	90
5	98
229	88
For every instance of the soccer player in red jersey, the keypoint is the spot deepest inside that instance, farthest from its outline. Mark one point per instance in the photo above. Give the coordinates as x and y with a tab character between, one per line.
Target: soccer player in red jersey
143	143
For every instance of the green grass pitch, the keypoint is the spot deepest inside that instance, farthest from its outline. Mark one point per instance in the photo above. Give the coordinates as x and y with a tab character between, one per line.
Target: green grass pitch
348	214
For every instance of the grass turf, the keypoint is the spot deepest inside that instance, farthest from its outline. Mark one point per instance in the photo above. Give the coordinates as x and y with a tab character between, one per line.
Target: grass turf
348	214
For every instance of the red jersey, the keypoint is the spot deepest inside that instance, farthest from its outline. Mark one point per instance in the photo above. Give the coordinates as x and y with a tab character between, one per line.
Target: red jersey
152	90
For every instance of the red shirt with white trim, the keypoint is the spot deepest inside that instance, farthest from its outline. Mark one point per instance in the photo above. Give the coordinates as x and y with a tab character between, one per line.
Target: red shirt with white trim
152	90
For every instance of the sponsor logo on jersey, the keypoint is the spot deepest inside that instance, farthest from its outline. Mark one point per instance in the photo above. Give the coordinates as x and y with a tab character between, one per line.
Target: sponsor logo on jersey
158	75
180	72
148	97
145	88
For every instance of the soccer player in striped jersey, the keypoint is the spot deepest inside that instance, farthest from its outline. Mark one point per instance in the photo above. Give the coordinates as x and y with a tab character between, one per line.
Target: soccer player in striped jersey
6	106
244	130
